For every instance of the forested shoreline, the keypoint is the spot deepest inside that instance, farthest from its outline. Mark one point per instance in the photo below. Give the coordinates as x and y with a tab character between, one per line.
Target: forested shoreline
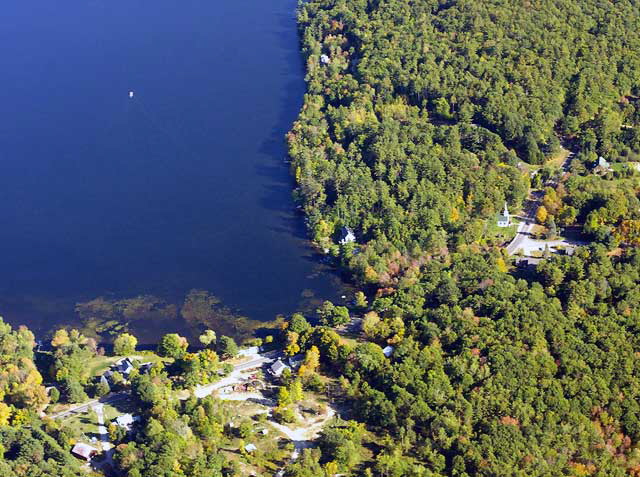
420	121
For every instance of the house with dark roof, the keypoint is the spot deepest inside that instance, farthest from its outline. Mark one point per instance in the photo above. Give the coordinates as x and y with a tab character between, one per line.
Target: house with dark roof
295	361
124	367
106	378
145	368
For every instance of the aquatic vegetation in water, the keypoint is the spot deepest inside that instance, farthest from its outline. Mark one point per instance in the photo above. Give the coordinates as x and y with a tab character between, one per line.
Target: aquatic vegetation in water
104	318
204	310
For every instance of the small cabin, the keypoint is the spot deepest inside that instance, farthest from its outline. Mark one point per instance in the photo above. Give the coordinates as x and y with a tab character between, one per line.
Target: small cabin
601	166
388	351
84	451
346	236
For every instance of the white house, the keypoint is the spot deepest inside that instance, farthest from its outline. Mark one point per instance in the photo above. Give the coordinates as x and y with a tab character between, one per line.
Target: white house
346	236
249	352
126	420
504	219
388	351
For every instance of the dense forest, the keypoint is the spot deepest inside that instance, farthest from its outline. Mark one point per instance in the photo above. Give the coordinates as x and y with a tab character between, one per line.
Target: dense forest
420	116
492	375
27	447
421	119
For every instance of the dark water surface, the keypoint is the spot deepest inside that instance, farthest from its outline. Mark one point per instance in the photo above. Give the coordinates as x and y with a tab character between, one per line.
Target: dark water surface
182	187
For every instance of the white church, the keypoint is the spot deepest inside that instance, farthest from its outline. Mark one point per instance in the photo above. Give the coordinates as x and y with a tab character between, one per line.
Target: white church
504	219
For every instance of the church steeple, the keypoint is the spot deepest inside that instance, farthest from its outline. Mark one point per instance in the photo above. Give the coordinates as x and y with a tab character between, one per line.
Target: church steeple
506	211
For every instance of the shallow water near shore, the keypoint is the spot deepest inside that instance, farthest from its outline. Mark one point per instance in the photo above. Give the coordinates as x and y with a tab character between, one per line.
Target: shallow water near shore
119	209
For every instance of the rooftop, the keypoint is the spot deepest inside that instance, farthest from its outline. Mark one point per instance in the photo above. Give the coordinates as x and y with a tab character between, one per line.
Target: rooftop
84	450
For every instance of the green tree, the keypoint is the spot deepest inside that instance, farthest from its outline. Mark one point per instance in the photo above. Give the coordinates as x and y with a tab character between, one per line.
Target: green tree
125	344
284	397
331	315
295	391
227	347
173	345
298	324
54	395
552	230
102	388
207	338
74	392
361	300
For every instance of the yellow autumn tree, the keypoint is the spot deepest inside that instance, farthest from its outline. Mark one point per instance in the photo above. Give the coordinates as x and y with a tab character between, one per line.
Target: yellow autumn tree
292	343
542	214
311	362
501	265
60	338
5	414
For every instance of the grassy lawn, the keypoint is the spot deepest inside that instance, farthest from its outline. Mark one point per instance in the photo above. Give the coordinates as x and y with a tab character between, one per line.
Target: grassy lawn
118	408
350	339
83	426
496	235
621	166
538	231
99	364
558	159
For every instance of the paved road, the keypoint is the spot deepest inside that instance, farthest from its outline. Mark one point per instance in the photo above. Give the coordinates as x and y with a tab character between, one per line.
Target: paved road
110	398
102	430
523	233
107	446
233	377
530	246
523	240
527	221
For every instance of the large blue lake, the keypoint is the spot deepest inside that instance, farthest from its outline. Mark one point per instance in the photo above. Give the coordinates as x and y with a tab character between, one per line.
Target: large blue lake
114	208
